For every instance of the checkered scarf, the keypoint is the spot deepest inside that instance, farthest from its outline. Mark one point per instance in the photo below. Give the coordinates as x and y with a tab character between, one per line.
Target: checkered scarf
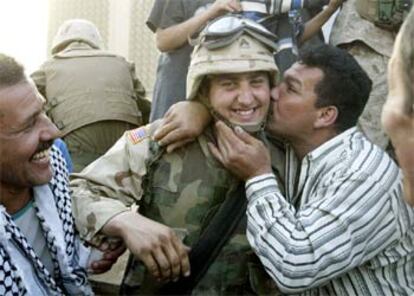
11	282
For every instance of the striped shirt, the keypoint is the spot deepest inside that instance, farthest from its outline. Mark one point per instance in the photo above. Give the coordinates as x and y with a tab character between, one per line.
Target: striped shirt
340	228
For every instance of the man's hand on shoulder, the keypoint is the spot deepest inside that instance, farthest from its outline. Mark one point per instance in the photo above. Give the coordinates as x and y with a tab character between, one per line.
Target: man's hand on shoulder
183	122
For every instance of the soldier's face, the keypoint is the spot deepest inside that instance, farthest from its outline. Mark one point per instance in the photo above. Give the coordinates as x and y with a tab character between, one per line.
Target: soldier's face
241	98
26	135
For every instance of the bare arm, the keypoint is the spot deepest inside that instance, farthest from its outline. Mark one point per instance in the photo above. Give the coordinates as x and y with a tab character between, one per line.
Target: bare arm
313	26
174	37
398	121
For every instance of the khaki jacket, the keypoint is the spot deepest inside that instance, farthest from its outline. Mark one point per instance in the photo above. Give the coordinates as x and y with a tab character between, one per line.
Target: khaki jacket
83	85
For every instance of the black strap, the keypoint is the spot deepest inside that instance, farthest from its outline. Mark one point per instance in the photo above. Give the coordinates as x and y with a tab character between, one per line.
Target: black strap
207	248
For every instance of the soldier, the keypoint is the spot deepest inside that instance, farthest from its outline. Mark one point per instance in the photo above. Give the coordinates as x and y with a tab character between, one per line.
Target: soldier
367	30
93	96
188	190
173	22
398	112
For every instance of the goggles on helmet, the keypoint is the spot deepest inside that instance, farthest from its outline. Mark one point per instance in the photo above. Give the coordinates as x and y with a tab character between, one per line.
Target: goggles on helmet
224	30
232	23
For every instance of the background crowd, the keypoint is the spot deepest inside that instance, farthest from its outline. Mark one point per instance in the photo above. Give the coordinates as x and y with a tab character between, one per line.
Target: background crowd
266	162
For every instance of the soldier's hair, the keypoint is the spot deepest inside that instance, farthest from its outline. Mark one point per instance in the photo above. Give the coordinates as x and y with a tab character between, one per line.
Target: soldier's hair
11	72
407	53
344	85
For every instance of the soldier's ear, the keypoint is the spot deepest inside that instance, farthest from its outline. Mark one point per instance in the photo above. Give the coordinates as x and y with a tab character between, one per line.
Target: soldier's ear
326	116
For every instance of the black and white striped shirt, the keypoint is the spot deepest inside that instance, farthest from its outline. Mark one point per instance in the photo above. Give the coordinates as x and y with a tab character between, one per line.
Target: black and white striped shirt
341	227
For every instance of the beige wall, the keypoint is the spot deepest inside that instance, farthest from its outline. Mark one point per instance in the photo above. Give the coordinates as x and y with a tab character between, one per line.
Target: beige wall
142	48
122	26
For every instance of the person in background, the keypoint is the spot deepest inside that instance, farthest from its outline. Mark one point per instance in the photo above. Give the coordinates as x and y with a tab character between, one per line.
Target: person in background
92	95
296	23
398	111
40	251
367	30
173	22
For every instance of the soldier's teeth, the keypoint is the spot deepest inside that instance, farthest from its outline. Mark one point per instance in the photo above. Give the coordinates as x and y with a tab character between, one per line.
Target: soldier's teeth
245	112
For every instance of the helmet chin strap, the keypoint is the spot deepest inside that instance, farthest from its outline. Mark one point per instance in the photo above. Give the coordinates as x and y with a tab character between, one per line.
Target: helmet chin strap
250	128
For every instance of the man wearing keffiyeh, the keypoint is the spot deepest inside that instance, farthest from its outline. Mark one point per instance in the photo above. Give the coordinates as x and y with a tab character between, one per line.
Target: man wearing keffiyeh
40	252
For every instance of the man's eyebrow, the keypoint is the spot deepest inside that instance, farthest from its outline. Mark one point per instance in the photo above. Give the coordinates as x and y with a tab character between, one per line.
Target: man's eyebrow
30	119
291	79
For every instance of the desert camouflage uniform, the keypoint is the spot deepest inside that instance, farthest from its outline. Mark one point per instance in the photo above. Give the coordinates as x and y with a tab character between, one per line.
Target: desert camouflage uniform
183	190
93	96
371	46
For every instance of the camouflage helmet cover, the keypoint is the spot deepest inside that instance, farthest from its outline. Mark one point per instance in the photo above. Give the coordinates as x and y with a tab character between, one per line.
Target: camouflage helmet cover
245	54
76	30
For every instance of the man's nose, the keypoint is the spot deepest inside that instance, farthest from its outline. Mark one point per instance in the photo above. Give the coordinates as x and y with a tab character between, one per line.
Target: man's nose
49	130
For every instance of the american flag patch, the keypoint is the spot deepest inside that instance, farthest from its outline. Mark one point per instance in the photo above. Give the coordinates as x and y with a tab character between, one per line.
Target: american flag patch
137	135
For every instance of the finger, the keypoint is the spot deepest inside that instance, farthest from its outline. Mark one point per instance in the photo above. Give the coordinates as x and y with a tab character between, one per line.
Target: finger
163	263
164	129
216	152
174	136
115	244
174	260
183	260
101	266
169	114
223	146
226	138
181	143
244	136
151	266
114	254
229	8
103	246
235	5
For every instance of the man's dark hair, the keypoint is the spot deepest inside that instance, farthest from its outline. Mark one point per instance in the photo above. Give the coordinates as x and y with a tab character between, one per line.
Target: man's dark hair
344	85
11	72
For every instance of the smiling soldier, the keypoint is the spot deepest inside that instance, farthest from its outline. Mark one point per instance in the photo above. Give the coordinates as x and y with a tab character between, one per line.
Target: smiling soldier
187	189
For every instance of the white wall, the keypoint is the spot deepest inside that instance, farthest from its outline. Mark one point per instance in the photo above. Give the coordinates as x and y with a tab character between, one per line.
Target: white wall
23	31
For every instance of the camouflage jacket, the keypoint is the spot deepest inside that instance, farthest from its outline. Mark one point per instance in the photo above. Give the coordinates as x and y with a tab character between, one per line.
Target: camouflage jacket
183	190
349	27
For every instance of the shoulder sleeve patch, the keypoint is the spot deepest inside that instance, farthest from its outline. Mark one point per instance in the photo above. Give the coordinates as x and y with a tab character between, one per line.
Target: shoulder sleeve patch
137	135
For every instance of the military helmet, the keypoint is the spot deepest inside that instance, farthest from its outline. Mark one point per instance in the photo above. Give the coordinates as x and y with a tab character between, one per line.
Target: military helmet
76	30
242	50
